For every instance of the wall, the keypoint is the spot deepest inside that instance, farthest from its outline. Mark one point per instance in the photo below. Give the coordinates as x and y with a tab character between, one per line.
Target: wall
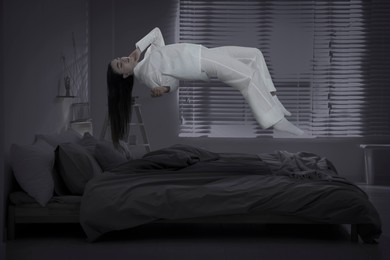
115	27
36	34
2	195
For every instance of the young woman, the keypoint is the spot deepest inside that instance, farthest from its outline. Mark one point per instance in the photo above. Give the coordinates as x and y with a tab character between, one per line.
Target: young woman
164	65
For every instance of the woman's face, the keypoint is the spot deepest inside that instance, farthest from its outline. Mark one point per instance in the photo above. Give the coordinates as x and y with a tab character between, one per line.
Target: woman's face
124	66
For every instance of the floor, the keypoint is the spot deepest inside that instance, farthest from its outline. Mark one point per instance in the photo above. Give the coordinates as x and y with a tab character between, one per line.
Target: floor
205	241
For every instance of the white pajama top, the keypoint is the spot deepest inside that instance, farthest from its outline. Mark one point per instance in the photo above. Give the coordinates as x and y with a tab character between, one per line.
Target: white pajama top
165	65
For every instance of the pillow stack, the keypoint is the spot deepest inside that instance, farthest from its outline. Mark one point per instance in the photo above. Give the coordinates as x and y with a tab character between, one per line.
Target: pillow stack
62	163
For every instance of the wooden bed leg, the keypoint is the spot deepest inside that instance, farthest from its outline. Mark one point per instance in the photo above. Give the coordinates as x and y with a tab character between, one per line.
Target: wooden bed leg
354	233
11	223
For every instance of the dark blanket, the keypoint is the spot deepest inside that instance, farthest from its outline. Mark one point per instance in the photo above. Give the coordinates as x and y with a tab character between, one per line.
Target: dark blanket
187	182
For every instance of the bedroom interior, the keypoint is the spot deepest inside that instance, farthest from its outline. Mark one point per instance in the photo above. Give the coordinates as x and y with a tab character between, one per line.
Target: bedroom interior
35	35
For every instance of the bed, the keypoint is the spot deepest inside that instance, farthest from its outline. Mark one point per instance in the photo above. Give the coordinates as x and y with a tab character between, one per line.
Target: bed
186	184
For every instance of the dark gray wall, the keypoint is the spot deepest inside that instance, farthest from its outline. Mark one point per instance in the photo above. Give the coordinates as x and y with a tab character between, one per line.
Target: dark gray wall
36	33
2	195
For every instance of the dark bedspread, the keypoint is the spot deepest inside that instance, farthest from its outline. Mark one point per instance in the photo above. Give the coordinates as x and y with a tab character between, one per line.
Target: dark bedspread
187	182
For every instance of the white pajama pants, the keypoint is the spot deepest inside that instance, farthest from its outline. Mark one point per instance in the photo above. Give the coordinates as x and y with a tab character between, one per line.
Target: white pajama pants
244	69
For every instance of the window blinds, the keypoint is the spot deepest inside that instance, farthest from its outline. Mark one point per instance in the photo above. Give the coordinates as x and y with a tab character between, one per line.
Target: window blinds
329	61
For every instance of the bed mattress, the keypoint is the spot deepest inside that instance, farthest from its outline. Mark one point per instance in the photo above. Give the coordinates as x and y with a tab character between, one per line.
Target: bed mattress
184	182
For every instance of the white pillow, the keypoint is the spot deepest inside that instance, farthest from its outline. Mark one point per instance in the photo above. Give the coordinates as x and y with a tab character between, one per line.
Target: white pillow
32	166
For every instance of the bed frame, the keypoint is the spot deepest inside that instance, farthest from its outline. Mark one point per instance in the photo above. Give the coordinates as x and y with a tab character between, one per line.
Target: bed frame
69	213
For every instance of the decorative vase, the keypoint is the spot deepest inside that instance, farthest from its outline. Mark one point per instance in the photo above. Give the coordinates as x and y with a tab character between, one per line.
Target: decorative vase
67	86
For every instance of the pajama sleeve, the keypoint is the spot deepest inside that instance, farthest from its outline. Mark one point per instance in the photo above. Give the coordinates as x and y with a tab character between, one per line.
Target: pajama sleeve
172	83
155	79
153	38
150	75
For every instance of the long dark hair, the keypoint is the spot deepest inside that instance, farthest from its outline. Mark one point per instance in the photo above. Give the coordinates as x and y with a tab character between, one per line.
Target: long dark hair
119	93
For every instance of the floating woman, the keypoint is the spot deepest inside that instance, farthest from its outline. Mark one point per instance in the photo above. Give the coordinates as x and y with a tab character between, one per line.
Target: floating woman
163	66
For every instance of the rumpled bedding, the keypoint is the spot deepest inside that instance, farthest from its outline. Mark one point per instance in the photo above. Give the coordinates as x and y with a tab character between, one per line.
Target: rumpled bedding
183	181
301	165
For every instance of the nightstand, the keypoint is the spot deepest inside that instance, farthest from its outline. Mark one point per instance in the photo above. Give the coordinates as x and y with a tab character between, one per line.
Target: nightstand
377	163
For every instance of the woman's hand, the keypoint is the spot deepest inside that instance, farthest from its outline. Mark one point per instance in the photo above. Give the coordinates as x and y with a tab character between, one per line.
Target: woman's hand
158	91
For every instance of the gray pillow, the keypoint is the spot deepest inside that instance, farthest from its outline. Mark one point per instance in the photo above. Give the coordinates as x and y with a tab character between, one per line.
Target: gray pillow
88	142
32	166
60	188
76	166
67	136
107	157
104	152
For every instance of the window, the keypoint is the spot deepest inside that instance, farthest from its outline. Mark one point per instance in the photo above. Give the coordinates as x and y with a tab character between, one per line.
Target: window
328	60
